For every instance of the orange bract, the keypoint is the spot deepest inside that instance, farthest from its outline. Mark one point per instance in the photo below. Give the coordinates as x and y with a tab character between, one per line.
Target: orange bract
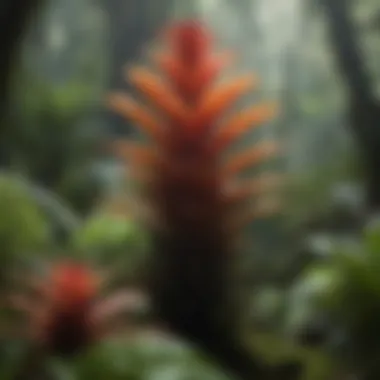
187	134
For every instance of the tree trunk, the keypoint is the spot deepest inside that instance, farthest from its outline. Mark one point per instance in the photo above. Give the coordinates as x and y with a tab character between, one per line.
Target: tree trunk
364	110
14	18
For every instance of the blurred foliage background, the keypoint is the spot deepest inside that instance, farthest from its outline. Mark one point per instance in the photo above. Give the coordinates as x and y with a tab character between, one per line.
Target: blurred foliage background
311	273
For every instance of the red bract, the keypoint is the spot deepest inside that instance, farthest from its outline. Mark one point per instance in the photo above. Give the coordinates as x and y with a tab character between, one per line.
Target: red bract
190	179
67	312
67	323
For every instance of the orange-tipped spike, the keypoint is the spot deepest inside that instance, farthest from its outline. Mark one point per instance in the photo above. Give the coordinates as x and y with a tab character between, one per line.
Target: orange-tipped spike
241	122
135	153
144	118
218	99
158	93
250	158
190	107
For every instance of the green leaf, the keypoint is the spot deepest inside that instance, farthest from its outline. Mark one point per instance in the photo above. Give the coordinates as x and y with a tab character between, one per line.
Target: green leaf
23	227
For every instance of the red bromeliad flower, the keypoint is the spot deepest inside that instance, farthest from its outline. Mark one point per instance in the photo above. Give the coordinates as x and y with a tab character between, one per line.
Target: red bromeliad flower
193	187
185	169
67	311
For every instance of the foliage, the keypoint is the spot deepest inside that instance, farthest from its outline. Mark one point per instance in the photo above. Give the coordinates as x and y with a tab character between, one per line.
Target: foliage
144	358
357	299
109	239
147	358
310	193
53	137
49	139
347	288
275	349
23	227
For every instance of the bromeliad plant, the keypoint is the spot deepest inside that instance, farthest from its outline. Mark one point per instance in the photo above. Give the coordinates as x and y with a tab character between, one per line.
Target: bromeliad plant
68	309
193	195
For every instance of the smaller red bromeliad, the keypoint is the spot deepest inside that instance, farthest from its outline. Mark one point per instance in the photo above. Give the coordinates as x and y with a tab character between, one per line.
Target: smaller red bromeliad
67	312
